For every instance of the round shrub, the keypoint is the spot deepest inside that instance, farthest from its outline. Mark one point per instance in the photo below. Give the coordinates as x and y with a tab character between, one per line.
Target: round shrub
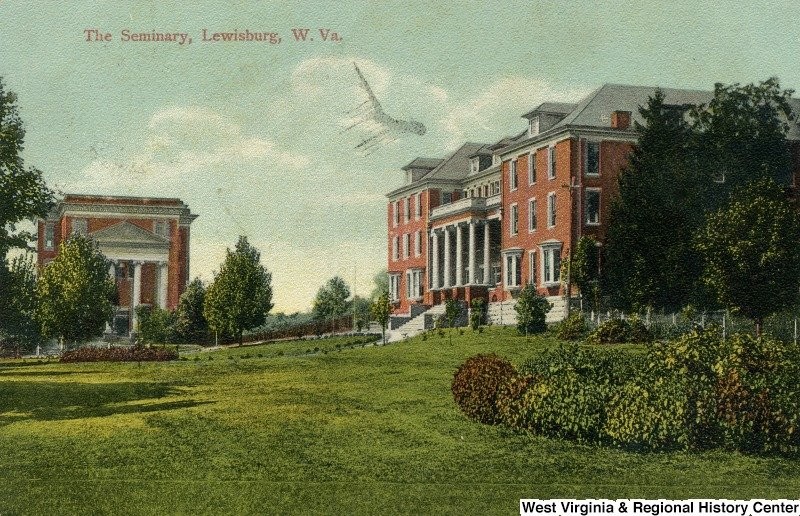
618	331
476	385
572	328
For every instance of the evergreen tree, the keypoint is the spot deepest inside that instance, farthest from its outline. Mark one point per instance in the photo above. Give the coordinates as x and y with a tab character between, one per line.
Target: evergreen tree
190	323
331	301
240	297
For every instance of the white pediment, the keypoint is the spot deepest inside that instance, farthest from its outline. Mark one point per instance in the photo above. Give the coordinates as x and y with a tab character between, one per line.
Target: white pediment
125	234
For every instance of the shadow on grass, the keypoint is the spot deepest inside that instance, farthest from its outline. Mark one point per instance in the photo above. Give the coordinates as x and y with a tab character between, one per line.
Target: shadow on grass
45	401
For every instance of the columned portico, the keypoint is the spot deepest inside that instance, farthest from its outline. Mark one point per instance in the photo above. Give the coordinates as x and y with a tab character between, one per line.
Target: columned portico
487	266
471	252
435	260
447	267
459	257
137	293
163	279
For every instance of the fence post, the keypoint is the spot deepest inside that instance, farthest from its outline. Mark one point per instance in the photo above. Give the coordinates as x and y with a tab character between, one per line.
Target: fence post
723	325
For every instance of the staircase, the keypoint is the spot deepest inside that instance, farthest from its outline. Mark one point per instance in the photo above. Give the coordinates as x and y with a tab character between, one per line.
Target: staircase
416	324
503	314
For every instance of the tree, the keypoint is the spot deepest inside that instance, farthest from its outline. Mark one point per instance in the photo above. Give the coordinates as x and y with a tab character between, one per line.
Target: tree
23	192
331	300
585	269
190	323
751	251
381	284
18	305
381	310
648	262
156	325
241	295
531	311
75	292
360	308
476	313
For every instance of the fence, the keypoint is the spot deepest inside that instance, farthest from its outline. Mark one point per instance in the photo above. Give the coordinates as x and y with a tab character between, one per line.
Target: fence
662	325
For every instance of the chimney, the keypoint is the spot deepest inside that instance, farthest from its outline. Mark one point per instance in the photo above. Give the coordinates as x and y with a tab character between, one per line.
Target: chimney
620	119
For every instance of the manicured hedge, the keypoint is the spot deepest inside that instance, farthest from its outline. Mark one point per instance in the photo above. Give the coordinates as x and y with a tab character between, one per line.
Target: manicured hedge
89	354
476	383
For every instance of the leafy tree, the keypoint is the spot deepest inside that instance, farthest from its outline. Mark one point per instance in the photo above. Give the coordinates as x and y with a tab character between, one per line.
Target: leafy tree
360	308
240	297
452	311
649	262
751	251
531	311
476	313
585	273
75	293
381	284
156	325
190	323
381	309
18	305
331	300
23	193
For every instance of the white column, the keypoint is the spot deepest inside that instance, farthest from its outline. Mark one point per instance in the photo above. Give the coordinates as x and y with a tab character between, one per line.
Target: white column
163	281
446	283
471	252
486	267
112	273
435	260
137	293
459	257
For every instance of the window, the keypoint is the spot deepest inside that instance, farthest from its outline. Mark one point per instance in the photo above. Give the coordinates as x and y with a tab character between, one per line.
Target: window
407	214
531	168
551	162
593	158
513	269
49	236
414	284
474	165
551	265
417	243
406	247
532	215
513	222
396	212
447	197
532	267
512	175
395	250
533	126
418	207
551	209
161	228
592	206
486	190
394	287
80	226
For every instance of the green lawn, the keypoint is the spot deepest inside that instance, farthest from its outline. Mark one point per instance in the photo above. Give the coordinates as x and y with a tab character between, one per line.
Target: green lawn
366	430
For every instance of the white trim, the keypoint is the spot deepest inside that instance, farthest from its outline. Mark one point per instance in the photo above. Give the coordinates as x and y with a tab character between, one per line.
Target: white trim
532	209
513	173
586	193
532	172
552	210
552	162
532	267
548	263
513	219
587	142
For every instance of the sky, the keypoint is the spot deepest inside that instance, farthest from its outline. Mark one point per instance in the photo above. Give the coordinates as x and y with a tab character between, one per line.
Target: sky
252	135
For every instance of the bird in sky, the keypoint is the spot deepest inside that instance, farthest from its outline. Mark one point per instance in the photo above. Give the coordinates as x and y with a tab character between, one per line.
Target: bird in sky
383	129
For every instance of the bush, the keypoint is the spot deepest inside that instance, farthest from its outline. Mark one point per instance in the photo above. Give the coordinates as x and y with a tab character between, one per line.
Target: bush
572	328
531	311
476	313
476	385
618	331
89	354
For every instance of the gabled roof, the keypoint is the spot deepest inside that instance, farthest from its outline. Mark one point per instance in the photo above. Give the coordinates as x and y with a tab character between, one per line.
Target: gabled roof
125	234
558	108
424	163
456	166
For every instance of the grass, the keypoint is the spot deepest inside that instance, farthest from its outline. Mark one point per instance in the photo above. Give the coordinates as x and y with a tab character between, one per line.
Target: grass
363	430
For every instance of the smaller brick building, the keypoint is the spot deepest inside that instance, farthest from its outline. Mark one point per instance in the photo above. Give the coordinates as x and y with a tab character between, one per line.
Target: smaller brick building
146	239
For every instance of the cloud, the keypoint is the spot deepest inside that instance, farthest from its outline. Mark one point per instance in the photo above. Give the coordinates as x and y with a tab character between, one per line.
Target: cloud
508	98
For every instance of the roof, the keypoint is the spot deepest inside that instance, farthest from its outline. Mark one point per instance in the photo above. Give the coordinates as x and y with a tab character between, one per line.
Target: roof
125	234
424	163
456	166
560	108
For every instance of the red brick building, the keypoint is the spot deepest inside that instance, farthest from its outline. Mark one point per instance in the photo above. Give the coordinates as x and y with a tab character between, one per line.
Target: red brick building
498	217
146	239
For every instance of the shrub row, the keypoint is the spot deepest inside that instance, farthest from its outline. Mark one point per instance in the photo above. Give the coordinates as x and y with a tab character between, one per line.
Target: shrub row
618	331
698	392
89	354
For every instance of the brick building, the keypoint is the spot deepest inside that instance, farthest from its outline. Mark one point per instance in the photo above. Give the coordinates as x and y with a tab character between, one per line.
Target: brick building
496	217
146	239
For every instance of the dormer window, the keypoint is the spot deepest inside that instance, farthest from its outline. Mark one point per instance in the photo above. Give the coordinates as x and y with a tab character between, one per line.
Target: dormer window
533	126
474	165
